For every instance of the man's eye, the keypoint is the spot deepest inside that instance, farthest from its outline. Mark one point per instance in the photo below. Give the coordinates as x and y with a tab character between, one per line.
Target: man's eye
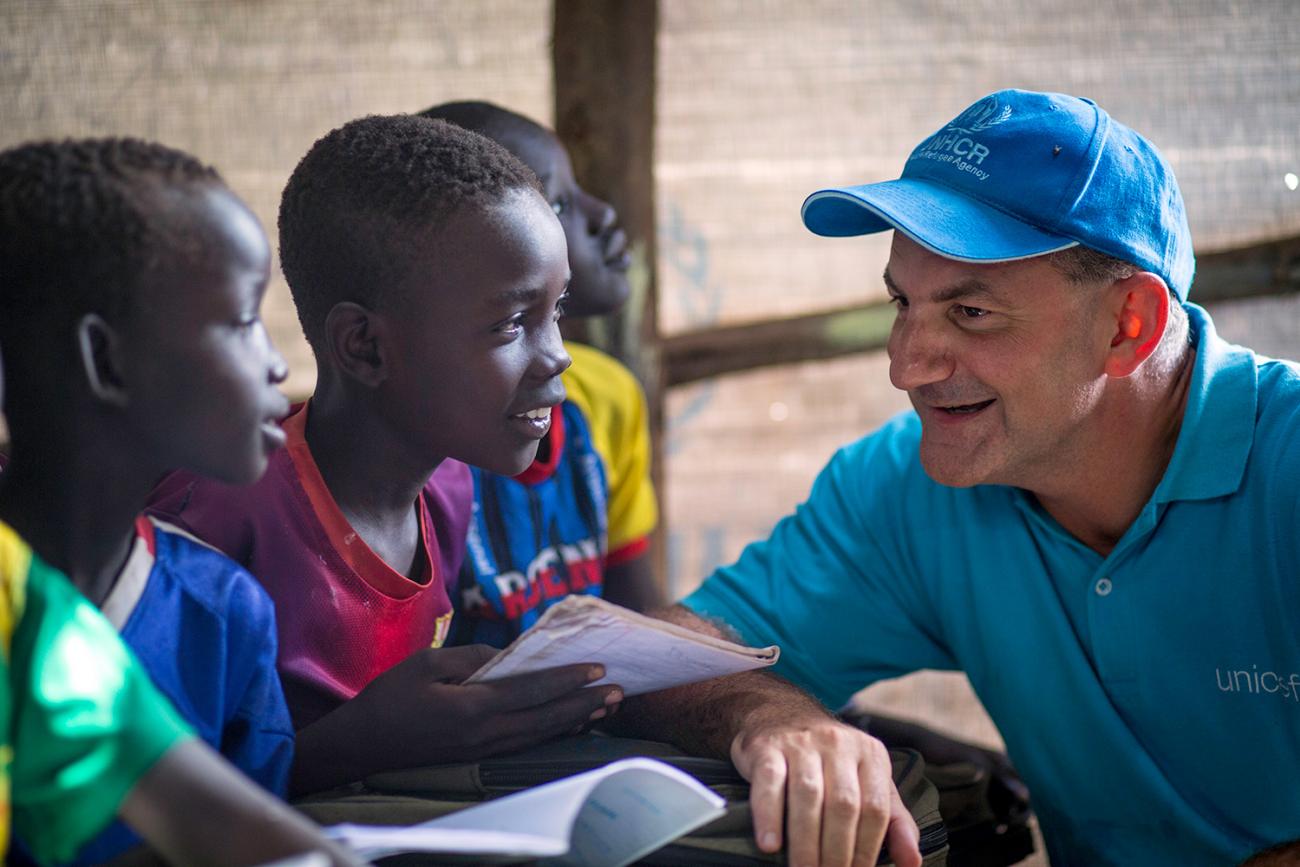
972	312
898	301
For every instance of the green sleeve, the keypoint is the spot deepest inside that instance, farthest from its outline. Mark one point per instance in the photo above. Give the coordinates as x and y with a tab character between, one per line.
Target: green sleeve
87	721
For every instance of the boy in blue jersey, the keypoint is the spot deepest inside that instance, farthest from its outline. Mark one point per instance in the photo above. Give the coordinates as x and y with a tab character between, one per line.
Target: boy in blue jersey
1092	511
578	519
131	341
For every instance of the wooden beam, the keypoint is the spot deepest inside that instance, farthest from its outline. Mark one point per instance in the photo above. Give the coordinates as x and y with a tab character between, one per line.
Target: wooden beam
1270	268
604	60
711	352
603	57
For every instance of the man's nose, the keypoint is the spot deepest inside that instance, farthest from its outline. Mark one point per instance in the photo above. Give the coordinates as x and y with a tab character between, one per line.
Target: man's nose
918	355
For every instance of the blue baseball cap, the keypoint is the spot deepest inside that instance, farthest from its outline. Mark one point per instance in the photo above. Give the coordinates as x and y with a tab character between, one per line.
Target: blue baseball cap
1020	174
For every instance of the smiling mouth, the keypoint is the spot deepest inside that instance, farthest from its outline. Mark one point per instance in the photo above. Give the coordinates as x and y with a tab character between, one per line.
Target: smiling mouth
536	422
965	408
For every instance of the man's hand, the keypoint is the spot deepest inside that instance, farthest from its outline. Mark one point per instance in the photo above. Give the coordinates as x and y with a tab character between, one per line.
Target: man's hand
420	712
829	784
832	784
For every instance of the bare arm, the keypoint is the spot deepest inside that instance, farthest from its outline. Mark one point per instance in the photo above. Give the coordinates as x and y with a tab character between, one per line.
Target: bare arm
1281	855
830	783
420	712
632	584
193	807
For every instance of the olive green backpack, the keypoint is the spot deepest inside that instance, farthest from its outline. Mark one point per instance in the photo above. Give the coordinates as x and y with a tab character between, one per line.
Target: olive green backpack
412	796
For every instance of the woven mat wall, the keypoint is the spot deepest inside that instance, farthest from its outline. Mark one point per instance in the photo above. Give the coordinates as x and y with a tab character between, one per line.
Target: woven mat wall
248	86
763	101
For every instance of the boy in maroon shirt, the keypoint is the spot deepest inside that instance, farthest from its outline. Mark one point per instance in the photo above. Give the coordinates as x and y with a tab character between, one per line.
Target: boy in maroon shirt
428	272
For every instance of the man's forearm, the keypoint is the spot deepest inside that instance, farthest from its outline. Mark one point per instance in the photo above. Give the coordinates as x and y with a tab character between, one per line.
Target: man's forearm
703	718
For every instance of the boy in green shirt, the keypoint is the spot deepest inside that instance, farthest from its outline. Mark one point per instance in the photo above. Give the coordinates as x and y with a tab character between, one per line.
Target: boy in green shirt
71	690
94	235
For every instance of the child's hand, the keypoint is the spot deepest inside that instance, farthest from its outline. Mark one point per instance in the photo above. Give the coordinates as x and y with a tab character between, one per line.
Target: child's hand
420	712
510	713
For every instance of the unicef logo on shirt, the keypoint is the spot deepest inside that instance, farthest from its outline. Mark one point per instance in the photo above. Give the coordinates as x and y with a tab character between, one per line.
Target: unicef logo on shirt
1256	682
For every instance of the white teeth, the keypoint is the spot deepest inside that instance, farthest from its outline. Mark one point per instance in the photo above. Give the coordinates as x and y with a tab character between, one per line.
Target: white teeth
537	414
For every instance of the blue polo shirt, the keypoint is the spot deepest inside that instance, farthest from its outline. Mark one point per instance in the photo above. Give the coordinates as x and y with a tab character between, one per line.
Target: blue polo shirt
1150	698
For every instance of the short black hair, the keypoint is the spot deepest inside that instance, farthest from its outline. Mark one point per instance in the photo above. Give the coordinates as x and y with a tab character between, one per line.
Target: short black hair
485	118
81	222
357	204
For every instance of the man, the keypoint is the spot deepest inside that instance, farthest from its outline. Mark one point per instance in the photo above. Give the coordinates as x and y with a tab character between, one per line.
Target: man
1092	511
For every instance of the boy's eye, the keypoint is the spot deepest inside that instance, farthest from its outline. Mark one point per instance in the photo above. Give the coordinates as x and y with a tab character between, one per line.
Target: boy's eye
512	326
247	323
559	306
560	205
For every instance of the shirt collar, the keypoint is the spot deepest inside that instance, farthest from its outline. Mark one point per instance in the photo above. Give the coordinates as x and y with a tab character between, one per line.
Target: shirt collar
1219	422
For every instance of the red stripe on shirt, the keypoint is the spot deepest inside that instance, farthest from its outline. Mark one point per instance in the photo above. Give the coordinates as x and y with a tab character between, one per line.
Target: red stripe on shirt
627	552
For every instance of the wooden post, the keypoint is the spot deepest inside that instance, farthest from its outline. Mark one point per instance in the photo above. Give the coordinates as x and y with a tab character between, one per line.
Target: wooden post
603	53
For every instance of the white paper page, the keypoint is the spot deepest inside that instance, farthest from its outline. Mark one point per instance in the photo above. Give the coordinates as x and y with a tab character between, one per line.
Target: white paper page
545	810
307	859
635	812
623	810
638	656
376	841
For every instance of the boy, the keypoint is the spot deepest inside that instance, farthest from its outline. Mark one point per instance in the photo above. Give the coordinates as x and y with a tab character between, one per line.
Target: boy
427	270
578	519
132	279
205	397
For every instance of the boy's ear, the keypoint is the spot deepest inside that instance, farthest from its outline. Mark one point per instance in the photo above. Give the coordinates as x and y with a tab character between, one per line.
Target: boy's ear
1141	312
357	339
99	351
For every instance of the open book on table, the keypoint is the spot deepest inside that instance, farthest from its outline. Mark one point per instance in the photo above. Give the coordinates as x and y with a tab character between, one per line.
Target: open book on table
603	818
640	654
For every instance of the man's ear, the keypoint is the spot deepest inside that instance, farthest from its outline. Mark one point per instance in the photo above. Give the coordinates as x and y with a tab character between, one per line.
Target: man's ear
1141	312
358	339
99	351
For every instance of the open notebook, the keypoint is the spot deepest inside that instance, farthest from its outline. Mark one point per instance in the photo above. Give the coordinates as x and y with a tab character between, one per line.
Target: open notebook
607	817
